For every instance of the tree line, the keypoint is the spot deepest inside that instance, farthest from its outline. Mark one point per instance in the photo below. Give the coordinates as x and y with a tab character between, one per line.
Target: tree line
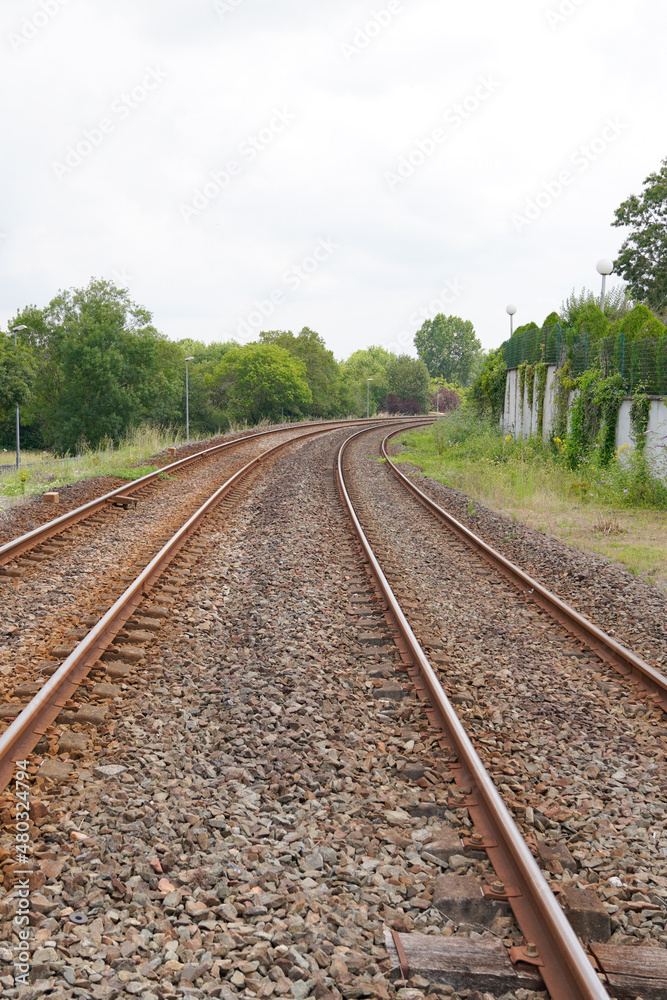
91	365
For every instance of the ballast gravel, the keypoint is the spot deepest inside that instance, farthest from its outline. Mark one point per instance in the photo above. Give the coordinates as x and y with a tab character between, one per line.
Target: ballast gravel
259	807
578	755
249	822
632	610
42	607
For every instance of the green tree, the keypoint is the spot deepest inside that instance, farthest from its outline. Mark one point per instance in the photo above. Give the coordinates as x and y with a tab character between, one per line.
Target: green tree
367	363
257	381
592	320
101	366
525	328
322	370
616	304
409	382
448	347
641	324
642	260
206	417
17	374
205	352
487	392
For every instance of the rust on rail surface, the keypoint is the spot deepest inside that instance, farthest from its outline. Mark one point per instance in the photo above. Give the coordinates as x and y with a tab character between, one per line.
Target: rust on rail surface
26	730
612	652
565	967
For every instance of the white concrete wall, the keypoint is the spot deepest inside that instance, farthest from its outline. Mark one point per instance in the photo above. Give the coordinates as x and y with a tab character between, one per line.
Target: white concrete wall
512	414
656	438
526	425
656	444
549	402
623	426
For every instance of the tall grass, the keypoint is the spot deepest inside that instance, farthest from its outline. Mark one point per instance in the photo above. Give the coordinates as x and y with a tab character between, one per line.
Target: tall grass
474	455
127	460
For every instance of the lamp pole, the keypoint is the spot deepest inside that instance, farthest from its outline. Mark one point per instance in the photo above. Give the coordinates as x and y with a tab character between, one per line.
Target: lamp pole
604	267
510	310
368	396
437	400
187	402
18	432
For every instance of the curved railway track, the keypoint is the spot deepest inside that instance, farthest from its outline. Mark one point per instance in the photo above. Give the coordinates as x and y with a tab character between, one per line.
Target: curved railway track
12	550
32	722
323	817
566	968
612	652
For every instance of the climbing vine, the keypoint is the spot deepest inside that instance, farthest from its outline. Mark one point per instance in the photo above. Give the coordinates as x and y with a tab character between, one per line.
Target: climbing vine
640	410
593	418
522	385
564	386
530	385
541	370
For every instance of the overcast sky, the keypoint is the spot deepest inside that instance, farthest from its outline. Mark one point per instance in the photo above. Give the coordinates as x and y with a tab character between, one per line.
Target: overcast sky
353	167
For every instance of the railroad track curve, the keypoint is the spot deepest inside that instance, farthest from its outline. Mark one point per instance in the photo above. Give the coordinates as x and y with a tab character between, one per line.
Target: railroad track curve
266	800
29	723
568	970
13	549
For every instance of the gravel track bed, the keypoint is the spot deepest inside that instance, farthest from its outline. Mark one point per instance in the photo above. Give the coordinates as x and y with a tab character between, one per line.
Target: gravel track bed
41	608
254	835
23	517
631	610
577	755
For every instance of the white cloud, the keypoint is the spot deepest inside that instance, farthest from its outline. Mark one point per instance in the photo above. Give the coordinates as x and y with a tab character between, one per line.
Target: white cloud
223	76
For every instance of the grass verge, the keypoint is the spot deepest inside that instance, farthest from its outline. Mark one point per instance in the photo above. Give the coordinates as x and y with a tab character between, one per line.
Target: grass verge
619	512
127	461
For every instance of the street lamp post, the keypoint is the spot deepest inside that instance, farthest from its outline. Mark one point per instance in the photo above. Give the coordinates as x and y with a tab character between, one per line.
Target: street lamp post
604	267
368	396
437	400
510	310
18	433
187	402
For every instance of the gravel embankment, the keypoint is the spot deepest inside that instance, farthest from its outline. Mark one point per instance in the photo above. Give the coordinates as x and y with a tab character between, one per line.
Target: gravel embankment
579	756
41	608
22	517
268	815
633	611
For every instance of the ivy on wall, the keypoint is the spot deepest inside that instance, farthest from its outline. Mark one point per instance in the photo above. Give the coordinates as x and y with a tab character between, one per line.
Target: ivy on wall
639	414
593	418
522	386
565	385
530	385
541	371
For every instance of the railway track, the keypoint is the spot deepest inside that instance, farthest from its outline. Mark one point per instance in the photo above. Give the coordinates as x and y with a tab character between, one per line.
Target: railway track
566	969
87	647
127	495
92	550
264	811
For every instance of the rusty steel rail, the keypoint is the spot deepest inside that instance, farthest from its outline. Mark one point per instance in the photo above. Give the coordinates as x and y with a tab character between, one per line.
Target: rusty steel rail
25	731
16	547
612	652
563	963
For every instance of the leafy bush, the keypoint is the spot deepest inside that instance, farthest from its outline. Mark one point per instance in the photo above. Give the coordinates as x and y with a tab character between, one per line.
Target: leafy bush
487	392
592	320
641	324
393	404
445	400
